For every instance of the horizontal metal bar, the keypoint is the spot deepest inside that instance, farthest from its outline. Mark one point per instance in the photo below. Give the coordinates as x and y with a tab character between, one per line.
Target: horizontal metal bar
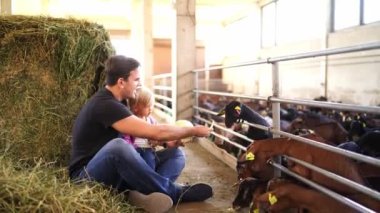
205	110
221	136
162	88
338	178
163	97
242	64
229	141
258	126
225	129
324	190
353	155
245	122
231	95
326	52
323	104
163	107
164	75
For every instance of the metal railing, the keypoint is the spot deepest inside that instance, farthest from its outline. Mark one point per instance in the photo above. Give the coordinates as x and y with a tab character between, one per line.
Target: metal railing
162	85
276	100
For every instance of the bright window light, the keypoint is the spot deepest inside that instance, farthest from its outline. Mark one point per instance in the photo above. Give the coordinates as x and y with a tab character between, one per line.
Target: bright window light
371	11
268	25
347	13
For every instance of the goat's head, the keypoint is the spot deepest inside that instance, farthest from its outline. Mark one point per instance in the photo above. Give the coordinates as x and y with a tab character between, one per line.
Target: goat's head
232	113
369	143
245	193
255	165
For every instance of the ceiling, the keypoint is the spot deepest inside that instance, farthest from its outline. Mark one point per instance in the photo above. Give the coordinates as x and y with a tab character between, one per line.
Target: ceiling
117	14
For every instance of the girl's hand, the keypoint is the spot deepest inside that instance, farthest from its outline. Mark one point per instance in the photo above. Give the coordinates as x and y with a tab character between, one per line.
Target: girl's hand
174	144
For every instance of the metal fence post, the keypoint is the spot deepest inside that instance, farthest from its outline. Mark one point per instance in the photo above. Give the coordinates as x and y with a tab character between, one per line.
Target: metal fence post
276	108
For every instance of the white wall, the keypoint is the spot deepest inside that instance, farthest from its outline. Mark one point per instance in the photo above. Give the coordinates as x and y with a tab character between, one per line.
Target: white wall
352	78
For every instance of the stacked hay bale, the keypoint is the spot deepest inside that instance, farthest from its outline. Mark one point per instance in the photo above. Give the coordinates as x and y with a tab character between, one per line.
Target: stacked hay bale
47	71
43	188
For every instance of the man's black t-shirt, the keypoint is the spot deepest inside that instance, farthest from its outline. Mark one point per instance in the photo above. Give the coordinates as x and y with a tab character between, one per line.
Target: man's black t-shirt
92	128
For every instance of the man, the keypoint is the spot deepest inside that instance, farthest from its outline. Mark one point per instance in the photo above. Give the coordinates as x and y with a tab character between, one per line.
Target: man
98	154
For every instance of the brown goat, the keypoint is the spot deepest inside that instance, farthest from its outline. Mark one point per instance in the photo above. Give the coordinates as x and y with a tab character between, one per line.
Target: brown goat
290	196
329	129
249	188
263	150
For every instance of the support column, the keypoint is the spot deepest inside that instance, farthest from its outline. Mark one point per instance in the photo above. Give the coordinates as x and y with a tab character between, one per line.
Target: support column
142	38
183	59
329	26
5	7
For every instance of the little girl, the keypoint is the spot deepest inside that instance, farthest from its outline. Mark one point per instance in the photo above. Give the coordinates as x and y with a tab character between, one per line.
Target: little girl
142	106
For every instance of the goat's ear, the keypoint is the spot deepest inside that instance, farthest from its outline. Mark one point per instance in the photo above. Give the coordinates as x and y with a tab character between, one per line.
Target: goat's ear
221	112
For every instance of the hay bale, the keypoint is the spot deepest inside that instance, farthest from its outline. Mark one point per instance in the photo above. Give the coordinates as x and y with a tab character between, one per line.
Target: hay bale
47	71
45	189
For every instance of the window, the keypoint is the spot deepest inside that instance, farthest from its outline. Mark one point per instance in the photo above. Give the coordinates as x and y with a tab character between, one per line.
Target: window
371	11
299	20
349	13
285	21
268	25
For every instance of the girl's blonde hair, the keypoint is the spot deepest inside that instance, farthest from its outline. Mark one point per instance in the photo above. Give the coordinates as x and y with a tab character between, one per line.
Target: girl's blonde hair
144	97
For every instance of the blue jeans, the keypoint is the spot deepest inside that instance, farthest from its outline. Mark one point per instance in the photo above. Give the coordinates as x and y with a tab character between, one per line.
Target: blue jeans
149	155
120	166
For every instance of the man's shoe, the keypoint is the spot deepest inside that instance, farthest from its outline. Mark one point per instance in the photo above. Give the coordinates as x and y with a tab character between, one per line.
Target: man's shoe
195	193
155	202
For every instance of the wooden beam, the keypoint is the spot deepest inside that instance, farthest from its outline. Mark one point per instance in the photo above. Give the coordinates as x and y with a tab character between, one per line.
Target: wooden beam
219	153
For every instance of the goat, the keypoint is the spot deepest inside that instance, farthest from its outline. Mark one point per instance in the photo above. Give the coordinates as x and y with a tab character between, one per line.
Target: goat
284	195
327	128
261	151
248	189
236	111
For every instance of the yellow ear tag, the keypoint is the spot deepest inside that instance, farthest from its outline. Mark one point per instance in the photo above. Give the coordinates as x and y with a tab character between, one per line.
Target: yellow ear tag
250	156
256	211
272	199
238	109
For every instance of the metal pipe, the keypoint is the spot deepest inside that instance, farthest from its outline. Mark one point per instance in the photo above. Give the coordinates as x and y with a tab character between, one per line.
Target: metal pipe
344	152
229	141
231	95
225	129
326	52
196	82
159	105
324	190
245	122
249	63
276	109
329	51
162	88
338	178
163	97
258	126
205	110
330	105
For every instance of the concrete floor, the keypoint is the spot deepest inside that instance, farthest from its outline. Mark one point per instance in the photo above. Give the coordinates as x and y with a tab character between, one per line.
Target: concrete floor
202	166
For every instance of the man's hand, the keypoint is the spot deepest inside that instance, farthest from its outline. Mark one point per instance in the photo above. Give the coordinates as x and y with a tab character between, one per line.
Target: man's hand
202	131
